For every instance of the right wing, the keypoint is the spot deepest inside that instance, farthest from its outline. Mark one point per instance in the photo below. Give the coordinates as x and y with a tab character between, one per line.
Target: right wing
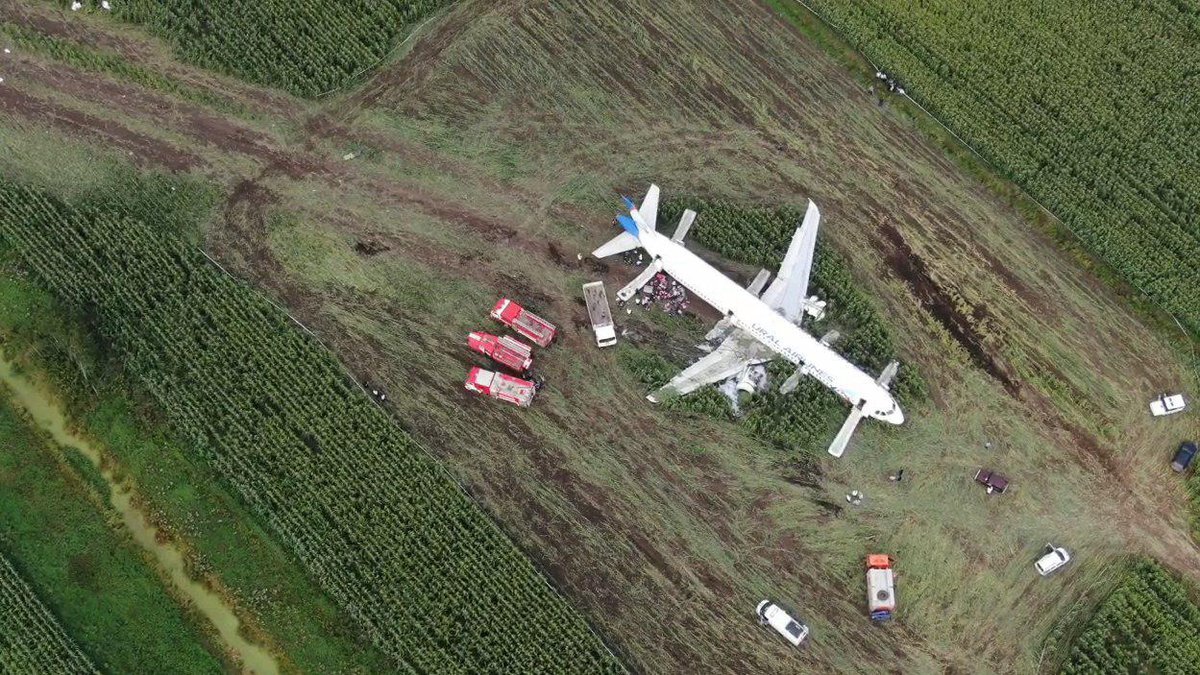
787	293
736	352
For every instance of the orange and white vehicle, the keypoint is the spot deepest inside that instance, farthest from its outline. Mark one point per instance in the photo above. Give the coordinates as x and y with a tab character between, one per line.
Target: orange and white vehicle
507	351
881	587
501	386
529	325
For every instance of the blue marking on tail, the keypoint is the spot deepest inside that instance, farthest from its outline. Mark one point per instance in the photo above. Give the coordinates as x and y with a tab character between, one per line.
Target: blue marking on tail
629	203
629	225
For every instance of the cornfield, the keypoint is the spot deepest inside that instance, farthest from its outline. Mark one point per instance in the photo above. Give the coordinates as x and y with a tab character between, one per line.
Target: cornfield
1148	624
31	639
307	47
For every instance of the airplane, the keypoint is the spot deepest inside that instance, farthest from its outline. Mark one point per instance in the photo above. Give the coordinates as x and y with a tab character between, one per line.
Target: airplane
756	328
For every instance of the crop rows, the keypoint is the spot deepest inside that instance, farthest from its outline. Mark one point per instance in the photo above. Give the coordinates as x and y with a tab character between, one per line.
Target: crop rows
390	537
760	236
31	639
1090	106
307	47
1148	624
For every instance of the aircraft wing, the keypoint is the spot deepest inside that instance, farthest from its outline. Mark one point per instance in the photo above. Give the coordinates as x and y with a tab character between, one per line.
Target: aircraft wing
734	353
787	293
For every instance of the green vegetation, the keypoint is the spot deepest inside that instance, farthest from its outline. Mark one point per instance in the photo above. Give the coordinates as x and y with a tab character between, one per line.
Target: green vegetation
56	531
308	48
803	418
427	576
1148	624
1088	106
31	640
221	539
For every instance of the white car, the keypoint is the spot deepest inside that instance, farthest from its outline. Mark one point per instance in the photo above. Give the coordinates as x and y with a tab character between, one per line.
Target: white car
1054	558
1167	405
792	630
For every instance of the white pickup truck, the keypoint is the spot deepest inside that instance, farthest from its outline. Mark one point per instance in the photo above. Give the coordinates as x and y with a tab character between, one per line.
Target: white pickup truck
1167	405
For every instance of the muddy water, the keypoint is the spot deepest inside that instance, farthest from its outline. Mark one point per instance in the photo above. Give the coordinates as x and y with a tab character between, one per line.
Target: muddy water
46	413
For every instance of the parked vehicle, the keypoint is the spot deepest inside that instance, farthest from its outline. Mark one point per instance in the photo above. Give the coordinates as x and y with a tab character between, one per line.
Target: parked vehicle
1052	559
1184	456
507	351
501	386
599	313
529	325
881	587
770	614
1167	405
993	481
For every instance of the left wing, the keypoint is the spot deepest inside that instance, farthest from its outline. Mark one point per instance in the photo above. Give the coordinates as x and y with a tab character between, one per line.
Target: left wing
734	353
787	293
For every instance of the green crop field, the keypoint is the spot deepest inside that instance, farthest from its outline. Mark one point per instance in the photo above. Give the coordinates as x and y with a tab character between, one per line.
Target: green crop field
308	48
31	640
1150	623
1091	107
482	155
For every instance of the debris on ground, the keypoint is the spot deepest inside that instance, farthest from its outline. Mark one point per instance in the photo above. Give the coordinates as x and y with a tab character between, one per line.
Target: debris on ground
665	292
855	497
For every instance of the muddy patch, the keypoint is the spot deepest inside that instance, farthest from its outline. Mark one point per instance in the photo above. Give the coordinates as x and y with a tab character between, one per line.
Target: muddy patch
144	151
934	299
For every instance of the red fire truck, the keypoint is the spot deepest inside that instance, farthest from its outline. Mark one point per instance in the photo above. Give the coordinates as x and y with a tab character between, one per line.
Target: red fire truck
501	386
531	326
509	352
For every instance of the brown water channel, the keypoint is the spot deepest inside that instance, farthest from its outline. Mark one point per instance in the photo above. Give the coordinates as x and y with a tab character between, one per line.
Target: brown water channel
48	415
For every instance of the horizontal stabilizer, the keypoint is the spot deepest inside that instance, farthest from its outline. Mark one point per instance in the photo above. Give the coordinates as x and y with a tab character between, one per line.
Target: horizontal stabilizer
619	244
838	446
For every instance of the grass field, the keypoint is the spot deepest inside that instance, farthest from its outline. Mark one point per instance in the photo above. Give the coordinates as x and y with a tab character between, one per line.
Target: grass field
492	149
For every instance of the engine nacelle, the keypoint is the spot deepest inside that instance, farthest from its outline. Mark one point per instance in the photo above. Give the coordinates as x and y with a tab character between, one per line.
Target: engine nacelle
752	378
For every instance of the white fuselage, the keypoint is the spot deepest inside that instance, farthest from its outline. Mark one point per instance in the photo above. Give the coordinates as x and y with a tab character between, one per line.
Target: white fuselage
749	313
